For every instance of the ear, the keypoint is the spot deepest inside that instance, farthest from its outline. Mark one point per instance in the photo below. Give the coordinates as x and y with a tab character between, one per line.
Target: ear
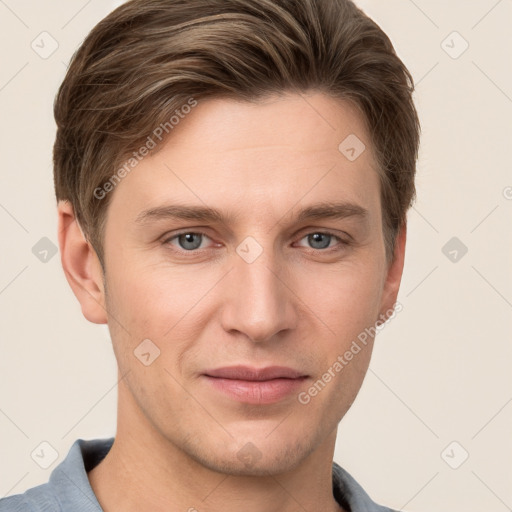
394	275
81	265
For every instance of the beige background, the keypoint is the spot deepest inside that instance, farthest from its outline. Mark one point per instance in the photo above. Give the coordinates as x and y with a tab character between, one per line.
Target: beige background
441	369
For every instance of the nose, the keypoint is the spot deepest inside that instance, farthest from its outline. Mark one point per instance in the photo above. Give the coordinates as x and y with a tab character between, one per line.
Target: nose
259	301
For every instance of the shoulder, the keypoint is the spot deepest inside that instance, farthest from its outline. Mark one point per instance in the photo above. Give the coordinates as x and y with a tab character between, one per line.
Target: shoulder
14	504
349	493
36	499
68	488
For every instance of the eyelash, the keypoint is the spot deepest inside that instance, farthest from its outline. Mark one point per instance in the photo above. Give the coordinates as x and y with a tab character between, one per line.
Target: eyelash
342	243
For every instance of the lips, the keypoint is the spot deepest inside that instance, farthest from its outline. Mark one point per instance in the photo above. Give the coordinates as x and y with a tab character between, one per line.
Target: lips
255	374
255	385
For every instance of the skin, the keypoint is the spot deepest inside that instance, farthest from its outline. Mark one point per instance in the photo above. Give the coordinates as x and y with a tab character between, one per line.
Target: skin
296	305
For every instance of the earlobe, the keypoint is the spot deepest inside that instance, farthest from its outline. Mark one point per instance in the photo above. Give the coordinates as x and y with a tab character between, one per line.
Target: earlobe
81	265
394	274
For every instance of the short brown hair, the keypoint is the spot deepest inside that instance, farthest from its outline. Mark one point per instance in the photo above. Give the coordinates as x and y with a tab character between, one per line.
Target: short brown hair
147	58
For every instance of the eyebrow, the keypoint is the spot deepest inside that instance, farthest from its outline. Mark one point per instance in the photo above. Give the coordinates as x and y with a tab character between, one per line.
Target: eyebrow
324	210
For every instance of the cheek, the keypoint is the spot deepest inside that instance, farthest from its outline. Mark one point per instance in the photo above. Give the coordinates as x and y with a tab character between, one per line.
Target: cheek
152	299
168	306
346	298
348	304
360	298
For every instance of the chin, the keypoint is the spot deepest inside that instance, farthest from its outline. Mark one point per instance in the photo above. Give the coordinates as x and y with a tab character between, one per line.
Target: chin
243	457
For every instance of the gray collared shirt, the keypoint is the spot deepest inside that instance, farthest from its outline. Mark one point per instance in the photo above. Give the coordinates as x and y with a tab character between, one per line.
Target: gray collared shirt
68	489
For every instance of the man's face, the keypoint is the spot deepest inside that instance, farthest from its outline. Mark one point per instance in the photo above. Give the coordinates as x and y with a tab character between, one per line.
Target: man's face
258	289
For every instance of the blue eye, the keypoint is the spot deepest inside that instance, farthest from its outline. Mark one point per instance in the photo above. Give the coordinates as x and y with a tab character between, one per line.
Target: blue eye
188	241
320	240
191	241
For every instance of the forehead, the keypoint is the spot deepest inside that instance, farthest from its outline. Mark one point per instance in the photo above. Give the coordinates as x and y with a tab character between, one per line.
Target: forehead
257	158
299	123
